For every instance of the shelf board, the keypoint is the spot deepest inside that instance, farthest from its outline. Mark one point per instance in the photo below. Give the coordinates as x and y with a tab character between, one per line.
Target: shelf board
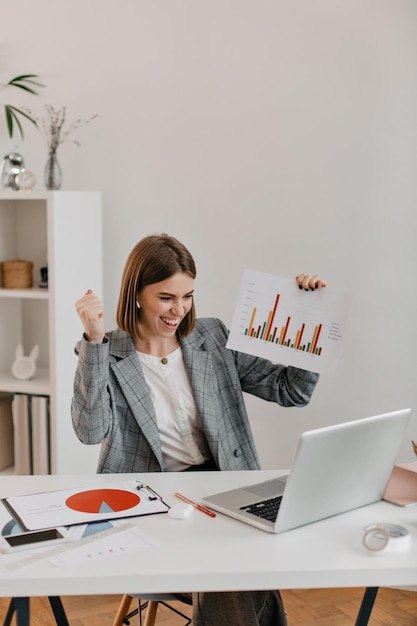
34	293
24	195
39	385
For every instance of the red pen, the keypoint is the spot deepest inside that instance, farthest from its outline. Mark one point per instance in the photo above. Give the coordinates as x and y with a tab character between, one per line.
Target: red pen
195	505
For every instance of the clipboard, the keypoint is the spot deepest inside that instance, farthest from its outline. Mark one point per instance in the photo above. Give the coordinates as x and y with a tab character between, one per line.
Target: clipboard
67	507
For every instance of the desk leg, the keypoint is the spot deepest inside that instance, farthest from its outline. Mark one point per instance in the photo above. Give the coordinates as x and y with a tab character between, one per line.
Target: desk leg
20	606
366	606
58	610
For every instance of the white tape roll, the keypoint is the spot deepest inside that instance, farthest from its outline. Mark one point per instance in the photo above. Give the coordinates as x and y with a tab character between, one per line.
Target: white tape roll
382	537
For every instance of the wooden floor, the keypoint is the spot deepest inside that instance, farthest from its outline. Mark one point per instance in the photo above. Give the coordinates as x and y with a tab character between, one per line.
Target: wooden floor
324	607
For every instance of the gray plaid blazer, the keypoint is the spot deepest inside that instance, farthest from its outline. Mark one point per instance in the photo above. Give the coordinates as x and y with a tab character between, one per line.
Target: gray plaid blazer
112	404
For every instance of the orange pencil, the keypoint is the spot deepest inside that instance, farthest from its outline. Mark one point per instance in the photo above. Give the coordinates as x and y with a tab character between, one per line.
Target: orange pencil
195	505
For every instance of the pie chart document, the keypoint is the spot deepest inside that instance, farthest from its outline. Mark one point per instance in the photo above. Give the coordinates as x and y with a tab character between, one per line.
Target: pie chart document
79	506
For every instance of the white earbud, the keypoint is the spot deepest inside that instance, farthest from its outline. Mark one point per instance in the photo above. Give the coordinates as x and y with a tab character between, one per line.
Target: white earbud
137	304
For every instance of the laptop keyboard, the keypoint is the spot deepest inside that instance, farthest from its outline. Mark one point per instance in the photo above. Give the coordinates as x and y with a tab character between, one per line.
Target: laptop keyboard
267	509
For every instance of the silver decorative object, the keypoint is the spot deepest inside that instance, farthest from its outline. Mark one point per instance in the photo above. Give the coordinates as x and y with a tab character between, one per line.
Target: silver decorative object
11	167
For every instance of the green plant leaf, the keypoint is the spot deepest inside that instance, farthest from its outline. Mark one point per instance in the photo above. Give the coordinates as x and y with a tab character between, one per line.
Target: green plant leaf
25	78
27	83
24	82
12	118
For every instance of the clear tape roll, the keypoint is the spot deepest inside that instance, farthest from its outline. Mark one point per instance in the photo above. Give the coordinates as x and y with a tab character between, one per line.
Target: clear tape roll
382	537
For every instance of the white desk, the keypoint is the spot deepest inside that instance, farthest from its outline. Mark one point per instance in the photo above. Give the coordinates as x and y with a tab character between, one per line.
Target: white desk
206	554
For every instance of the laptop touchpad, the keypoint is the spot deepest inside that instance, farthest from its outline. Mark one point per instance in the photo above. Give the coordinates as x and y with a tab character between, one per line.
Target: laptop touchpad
268	488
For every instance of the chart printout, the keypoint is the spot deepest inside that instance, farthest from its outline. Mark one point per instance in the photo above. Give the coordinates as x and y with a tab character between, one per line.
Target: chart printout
277	320
65	507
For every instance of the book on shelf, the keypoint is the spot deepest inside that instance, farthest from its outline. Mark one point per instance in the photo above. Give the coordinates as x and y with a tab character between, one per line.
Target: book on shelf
31	438
21	435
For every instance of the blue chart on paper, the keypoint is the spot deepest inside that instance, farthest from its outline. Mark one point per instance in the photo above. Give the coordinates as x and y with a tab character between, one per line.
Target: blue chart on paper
12	528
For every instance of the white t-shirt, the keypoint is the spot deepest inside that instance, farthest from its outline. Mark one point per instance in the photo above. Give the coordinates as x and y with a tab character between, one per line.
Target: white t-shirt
180	430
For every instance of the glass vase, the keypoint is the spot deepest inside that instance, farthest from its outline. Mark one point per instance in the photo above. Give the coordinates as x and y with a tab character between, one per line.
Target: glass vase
52	176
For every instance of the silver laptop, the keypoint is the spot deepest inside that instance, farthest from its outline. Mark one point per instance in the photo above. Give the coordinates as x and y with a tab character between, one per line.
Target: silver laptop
336	469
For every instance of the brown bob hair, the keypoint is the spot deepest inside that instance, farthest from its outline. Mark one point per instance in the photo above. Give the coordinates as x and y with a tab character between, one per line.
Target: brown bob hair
153	259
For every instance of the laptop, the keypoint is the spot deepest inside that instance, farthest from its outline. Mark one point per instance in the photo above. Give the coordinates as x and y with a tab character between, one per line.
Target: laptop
335	469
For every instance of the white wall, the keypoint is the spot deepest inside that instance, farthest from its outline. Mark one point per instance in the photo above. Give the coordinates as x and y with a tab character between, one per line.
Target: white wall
279	135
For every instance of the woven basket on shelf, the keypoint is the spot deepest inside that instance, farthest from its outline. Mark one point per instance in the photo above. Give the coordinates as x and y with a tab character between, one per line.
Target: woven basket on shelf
16	274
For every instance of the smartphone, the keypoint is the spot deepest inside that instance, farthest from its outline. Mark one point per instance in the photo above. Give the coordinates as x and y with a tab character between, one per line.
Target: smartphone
33	539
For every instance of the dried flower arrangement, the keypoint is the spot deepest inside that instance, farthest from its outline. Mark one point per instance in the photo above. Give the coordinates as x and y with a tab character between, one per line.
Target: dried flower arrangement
27	83
52	127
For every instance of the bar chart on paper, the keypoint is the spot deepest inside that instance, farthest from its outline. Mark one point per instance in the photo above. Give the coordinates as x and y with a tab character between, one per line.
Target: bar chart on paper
276	320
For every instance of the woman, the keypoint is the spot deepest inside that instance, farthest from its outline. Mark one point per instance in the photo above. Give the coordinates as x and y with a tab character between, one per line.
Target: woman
163	393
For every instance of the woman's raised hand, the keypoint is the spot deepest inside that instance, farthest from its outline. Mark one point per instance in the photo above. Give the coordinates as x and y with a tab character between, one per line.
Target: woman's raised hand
90	311
309	281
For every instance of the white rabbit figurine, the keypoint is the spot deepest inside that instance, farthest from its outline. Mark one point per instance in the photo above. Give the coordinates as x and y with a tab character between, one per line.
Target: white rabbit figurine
24	367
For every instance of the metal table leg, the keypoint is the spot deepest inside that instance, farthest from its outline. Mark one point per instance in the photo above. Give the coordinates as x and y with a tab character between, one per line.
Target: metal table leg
366	606
58	610
20	607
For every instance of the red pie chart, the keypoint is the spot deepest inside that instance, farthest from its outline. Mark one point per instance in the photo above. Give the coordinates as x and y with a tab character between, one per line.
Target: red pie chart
102	501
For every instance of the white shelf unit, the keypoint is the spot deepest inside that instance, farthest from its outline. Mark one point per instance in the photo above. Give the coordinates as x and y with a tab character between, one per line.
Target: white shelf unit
62	229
